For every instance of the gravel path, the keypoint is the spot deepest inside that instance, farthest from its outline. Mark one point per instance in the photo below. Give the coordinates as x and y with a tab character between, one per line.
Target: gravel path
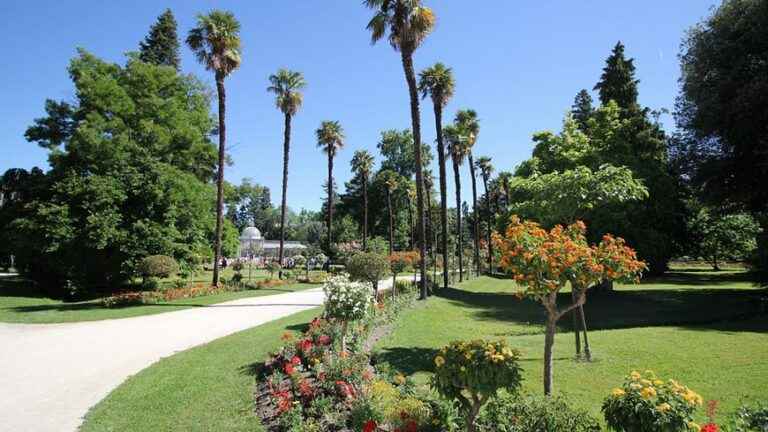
51	374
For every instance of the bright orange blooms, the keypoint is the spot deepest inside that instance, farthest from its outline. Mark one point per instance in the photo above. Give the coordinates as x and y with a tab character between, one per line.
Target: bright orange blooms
543	261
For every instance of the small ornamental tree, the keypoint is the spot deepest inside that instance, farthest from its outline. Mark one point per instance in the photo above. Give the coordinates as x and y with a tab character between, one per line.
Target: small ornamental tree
368	267
302	262
472	372
645	403
346	301
157	266
398	262
543	262
272	267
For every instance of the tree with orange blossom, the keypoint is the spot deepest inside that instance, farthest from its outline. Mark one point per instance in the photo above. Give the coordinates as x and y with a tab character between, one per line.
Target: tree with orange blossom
544	261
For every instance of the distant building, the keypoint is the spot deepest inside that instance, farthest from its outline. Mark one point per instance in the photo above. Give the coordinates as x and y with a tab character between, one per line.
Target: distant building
252	245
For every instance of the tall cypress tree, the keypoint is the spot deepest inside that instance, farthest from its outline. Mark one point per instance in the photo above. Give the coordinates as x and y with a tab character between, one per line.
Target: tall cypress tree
618	81
582	110
161	46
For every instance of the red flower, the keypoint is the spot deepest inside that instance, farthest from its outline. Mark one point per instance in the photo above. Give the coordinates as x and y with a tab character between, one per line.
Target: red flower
710	427
324	340
296	360
346	389
411	426
288	369
305	345
370	426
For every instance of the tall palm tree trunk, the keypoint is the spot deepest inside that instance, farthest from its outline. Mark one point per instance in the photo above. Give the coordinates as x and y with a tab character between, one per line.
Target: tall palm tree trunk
391	222
330	201
365	212
488	221
220	177
410	78
443	190
410	223
459	241
284	202
475	220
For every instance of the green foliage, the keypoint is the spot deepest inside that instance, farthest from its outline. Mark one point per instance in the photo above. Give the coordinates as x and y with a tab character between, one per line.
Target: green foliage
751	418
472	373
512	413
618	82
272	267
396	148
161	46
582	109
722	109
369	267
556	197
720	237
130	161
645	403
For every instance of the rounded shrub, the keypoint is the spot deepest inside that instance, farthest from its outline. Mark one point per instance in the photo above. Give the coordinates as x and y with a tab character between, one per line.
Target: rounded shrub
512	413
368	267
645	403
471	372
346	301
159	266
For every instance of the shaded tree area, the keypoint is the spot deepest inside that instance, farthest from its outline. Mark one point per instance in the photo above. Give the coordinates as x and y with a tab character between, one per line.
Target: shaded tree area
722	113
131	170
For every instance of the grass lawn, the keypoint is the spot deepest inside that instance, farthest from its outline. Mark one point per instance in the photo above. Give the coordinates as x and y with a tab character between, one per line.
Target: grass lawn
18	305
687	325
694	326
208	388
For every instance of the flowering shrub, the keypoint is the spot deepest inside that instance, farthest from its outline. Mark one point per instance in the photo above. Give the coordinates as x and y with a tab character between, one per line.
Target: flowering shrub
346	300
544	261
130	298
513	413
645	403
472	372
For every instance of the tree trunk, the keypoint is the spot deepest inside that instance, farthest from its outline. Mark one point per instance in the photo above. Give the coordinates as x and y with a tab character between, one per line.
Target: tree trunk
443	190
284	201
587	351
490	213
330	201
475	219
389	210
459	241
410	78
220	177
365	213
410	223
576	324
549	342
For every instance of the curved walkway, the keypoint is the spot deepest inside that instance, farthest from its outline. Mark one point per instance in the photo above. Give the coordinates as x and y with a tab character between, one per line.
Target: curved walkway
51	374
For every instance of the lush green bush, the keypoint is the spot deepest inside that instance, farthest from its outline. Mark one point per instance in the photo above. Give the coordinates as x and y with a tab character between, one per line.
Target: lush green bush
369	267
272	267
160	266
751	418
471	372
511	413
336	268
645	403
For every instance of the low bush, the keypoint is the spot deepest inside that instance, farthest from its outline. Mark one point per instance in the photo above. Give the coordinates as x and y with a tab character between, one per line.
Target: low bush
368	267
471	372
336	269
645	403
750	418
157	266
511	413
131	298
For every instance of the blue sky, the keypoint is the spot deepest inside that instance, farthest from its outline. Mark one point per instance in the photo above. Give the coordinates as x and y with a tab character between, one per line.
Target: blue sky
518	63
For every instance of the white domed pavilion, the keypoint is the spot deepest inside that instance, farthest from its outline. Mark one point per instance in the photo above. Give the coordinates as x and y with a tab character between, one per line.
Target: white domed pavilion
252	244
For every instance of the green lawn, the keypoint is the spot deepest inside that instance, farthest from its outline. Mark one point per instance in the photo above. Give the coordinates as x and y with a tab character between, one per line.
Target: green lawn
208	388
722	356
696	326
18	305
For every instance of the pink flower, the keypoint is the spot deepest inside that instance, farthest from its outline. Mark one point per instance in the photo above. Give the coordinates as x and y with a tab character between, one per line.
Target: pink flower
324	340
296	360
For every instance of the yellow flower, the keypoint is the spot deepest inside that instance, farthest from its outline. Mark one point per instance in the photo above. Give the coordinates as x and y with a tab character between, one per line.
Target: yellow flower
645	383
658	383
648	392
694	426
635	375
617	392
400	379
439	361
664	407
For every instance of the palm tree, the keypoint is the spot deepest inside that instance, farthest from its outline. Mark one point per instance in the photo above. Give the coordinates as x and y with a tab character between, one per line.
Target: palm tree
468	121
505	180
429	183
362	163
330	138
437	82
408	23
456	142
484	165
390	180
215	41
286	86
411	193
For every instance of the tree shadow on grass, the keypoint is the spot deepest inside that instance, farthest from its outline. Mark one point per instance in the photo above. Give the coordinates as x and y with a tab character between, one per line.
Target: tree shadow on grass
703	308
